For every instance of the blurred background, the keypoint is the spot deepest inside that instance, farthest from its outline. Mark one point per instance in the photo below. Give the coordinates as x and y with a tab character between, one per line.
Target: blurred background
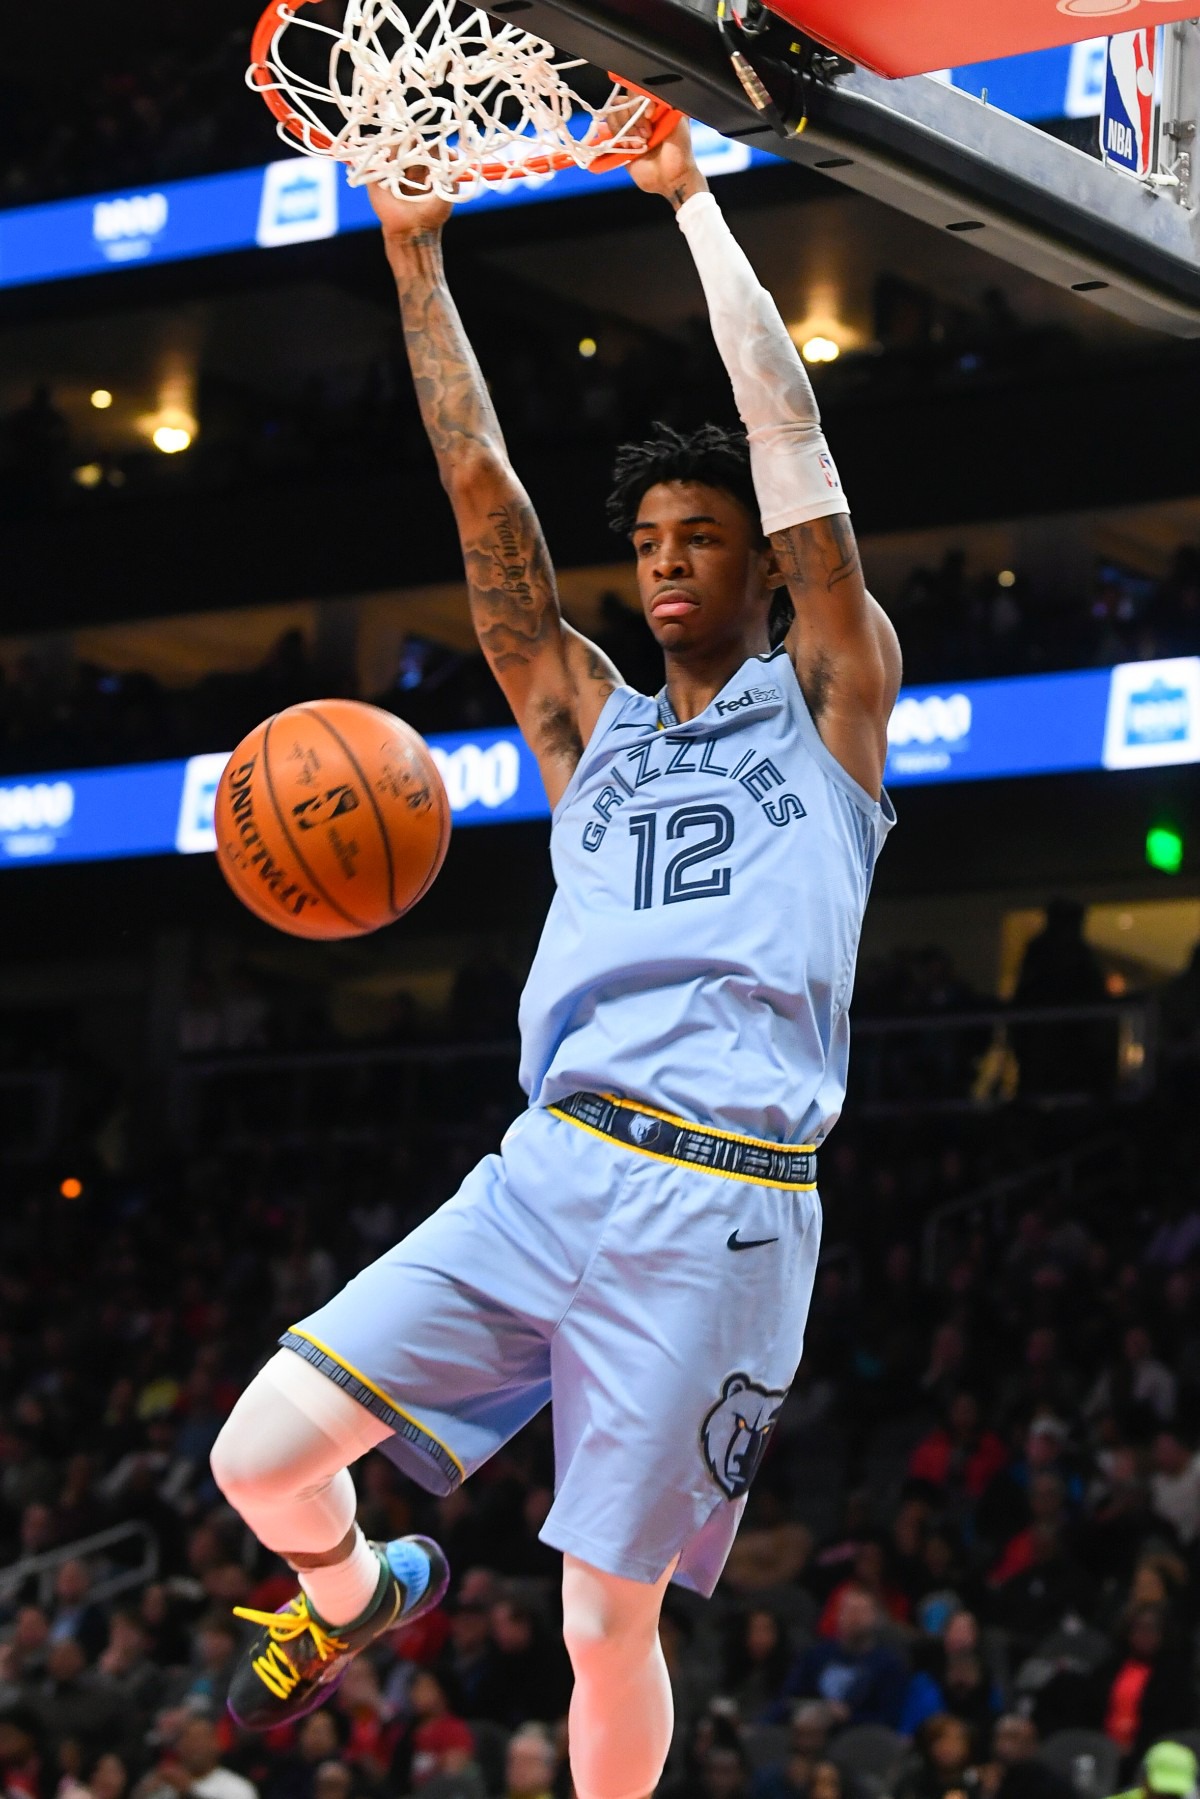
970	1561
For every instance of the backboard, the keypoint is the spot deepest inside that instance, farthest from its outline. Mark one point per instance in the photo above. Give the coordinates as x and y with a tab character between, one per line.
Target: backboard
938	34
916	143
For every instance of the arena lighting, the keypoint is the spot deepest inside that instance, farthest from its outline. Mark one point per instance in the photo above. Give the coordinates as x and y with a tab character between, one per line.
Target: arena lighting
820	349
1164	849
88	474
1006	578
101	399
587	348
71	1188
170	439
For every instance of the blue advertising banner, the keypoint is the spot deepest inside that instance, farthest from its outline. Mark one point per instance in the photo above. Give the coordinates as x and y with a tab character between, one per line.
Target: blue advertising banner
1064	83
297	200
1139	715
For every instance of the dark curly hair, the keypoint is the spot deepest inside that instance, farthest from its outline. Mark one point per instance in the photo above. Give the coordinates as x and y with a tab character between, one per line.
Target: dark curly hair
713	455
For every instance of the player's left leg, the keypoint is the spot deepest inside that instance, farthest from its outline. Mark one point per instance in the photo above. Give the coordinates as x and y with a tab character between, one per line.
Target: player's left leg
622	1713
668	1371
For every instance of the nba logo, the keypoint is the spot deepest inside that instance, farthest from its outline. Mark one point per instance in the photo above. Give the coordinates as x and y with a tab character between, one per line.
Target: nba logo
1127	135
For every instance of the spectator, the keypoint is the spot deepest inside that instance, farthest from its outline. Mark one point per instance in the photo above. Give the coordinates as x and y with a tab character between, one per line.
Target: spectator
724	1774
809	1737
1014	1771
525	1676
1147	1688
757	1659
74	1615
1034	1601
22	1754
859	1678
1169	1773
443	1760
959	1685
318	1744
1138	1380
530	1766
192	1764
942	1763
72	1703
962	1456
126	1664
1175	1485
106	1776
466	1657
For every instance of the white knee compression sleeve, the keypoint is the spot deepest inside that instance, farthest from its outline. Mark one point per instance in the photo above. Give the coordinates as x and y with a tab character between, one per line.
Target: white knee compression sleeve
282	1461
794	475
622	1712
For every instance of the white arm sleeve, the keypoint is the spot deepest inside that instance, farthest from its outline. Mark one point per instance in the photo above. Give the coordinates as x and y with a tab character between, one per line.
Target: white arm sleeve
794	474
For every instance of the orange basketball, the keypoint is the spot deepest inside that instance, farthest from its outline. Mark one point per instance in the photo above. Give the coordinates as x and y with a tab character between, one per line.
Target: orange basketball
331	819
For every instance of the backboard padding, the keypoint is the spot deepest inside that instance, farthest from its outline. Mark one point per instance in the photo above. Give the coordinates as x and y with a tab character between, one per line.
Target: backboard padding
912	39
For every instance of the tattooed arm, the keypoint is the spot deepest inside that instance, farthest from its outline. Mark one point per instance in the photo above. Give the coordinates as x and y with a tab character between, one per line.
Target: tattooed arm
843	648
555	680
842	644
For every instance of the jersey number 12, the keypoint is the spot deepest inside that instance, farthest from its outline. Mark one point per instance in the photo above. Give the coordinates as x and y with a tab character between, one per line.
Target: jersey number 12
682	879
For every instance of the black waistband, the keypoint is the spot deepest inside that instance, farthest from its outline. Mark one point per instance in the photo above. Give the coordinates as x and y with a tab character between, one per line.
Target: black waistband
675	1140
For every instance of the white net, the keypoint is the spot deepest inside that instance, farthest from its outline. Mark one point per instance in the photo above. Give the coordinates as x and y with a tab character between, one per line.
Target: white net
446	98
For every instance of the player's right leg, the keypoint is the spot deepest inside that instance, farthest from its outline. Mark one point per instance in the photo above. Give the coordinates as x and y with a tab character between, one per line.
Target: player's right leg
436	1354
282	1460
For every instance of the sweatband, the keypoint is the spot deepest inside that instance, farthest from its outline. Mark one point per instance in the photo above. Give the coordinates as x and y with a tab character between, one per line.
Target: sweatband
795	477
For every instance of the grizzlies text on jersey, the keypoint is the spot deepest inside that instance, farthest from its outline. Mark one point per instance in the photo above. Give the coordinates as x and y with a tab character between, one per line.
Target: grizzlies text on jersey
711	881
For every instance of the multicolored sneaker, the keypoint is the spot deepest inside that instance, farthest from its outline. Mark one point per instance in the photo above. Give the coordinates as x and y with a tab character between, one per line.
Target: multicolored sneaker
295	1661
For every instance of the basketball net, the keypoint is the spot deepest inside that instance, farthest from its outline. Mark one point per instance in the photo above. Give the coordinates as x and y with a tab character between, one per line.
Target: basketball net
442	101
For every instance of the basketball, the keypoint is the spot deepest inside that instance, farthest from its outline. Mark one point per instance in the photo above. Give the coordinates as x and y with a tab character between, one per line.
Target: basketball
331	819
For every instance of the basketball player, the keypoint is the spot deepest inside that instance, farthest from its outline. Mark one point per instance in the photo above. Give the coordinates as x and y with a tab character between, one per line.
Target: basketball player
643	1248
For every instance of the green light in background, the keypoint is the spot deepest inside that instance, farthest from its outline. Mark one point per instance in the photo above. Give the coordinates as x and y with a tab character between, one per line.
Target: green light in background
1164	849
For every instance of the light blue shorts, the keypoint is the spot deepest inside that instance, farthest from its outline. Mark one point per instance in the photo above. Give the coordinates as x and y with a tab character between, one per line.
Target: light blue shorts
660	1306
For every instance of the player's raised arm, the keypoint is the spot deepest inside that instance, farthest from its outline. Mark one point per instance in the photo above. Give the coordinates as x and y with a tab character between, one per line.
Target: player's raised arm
841	643
555	680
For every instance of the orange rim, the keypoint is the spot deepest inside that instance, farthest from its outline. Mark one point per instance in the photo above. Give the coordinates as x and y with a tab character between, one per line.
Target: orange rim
279	13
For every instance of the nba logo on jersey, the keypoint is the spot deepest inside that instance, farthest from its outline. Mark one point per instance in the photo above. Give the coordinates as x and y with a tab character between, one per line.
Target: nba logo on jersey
1127	127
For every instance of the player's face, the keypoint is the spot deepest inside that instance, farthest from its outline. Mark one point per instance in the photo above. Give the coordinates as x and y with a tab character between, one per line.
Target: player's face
702	569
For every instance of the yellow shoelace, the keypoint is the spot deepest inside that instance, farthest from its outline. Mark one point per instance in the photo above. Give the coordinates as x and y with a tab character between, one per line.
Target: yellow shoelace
274	1666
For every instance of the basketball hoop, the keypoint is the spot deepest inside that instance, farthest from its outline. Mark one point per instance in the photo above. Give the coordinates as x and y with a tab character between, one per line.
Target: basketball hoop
440	100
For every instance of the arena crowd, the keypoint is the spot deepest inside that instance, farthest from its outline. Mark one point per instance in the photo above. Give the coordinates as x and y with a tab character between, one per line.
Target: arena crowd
977	1527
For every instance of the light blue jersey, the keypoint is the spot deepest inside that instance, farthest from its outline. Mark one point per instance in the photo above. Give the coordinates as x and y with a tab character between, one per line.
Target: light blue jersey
712	876
697	960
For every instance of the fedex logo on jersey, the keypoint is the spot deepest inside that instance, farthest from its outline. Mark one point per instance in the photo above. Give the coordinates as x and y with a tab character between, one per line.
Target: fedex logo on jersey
1127	126
753	696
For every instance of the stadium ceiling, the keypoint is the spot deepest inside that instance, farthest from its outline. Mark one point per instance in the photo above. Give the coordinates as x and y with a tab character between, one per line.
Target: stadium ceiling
929	150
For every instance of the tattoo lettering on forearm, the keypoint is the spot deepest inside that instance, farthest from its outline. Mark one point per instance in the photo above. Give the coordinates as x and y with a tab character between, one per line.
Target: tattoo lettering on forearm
510	585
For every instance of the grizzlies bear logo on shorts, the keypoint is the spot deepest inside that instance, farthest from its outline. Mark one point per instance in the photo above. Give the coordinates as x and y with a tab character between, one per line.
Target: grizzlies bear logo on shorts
644	1130
735	1432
